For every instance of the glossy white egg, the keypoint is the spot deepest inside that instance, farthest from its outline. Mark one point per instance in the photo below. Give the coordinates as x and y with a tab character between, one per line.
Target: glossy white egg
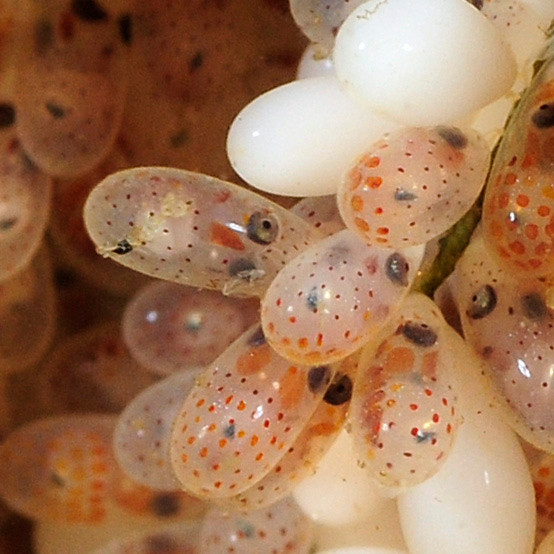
298	139
422	62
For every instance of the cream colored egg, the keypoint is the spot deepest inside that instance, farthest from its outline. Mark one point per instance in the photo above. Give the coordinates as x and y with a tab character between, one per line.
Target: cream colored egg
544	8
313	64
422	62
482	500
298	139
340	492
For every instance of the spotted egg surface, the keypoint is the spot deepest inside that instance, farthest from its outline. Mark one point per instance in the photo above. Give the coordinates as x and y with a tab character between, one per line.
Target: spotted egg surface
169	327
517	360
518	215
241	416
413	185
277	529
193	229
327	302
404	416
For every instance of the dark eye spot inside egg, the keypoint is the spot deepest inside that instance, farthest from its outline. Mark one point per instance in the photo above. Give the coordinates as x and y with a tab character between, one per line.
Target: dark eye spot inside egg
7	115
543	118
396	268
123	247
257	338
339	391
165	504
483	302
453	136
262	228
318	378
418	333
477	3
125	24
533	305
242	268
89	11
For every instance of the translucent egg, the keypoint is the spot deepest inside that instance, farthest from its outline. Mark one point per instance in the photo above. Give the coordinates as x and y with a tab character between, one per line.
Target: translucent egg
91	371
70	85
25	195
27	314
518	222
340	492
193	229
404	416
544	9
141	439
67	230
242	415
517	360
298	139
413	185
322	212
326	303
278	529
541	465
59	469
320	20
313	65
169	327
482	499
424	62
301	459
520	27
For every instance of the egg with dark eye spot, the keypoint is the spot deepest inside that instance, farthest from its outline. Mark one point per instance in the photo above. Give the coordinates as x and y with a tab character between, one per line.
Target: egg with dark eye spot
262	228
483	302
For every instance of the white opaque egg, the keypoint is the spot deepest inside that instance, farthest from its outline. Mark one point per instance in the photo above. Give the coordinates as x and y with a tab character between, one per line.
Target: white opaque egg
298	139
422	62
339	492
482	500
313	64
547	544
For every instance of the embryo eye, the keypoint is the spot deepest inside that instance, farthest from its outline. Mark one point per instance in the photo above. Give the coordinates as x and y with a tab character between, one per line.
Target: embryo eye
262	228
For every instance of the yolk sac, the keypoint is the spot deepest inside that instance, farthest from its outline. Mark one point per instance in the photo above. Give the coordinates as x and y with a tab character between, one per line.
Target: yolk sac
240	418
27	314
327	303
413	185
404	415
91	371
519	358
279	528
169	327
518	215
59	469
194	229
142	434
71	83
25	196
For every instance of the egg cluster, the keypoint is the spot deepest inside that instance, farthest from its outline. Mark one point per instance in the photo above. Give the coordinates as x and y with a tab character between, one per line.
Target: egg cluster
258	376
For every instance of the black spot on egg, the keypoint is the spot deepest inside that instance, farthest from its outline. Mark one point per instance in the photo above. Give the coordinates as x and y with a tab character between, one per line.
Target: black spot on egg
403	195
43	36
453	136
257	338
7	115
483	302
543	118
419	333
165	504
533	305
312	300
262	228
125	24
123	247
318	378
242	268
55	110
89	11
339	391
397	268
